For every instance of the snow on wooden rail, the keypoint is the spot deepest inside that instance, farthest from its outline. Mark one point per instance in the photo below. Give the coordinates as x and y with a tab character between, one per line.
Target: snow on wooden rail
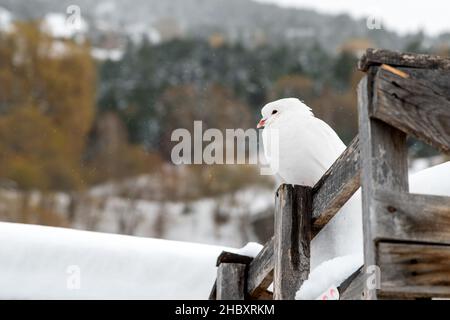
406	235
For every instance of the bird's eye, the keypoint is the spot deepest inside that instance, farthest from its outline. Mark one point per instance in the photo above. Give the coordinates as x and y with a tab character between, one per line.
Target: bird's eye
274	111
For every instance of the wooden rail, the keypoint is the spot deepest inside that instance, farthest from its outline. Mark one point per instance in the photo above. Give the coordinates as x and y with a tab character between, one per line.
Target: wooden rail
336	186
406	236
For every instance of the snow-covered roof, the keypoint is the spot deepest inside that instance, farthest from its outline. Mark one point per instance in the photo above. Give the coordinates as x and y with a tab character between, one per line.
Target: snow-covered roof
40	262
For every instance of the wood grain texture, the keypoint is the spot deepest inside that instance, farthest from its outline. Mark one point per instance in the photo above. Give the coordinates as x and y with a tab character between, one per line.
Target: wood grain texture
336	186
353	288
374	57
404	216
263	295
414	270
417	106
231	281
228	257
292	240
260	271
436	76
383	163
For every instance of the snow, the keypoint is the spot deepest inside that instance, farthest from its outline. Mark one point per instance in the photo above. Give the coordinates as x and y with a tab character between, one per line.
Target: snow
328	274
6	20
140	31
419	164
40	263
343	235
60	26
107	54
251	249
434	180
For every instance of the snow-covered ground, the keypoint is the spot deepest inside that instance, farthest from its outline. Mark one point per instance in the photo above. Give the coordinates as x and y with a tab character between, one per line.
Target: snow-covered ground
55	263
43	262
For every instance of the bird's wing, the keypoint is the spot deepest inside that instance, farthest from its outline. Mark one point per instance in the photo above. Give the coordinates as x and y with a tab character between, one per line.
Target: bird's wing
325	146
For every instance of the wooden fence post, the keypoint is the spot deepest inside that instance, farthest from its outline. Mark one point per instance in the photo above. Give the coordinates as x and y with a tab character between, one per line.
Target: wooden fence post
384	165
406	236
231	277
231	281
292	240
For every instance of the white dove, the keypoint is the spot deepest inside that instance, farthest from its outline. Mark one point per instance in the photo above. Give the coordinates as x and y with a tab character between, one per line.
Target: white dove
302	146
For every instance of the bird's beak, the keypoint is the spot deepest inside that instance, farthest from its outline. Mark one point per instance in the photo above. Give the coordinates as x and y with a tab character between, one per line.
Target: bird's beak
261	123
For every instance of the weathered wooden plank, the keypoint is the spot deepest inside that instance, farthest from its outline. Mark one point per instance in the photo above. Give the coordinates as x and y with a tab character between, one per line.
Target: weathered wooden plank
418	107
404	216
263	295
414	270
374	57
383	148
231	257
231	281
228	257
260	271
336	186
438	77
292	239
353	287
383	163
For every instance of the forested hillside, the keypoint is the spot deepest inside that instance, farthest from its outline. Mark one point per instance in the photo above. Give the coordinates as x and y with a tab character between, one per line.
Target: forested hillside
85	138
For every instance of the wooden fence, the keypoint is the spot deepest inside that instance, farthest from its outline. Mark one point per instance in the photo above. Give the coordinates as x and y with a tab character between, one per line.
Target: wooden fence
406	235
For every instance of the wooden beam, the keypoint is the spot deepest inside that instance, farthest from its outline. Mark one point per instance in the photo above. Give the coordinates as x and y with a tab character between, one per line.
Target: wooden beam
419	107
231	281
231	257
404	216
260	271
353	288
438	77
263	295
375	57
336	186
414	270
292	240
228	257
383	164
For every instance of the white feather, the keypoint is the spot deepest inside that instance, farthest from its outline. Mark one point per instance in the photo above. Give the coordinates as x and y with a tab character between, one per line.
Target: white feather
307	146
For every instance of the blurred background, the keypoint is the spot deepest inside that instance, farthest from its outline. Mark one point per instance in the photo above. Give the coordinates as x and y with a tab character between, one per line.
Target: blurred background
90	92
